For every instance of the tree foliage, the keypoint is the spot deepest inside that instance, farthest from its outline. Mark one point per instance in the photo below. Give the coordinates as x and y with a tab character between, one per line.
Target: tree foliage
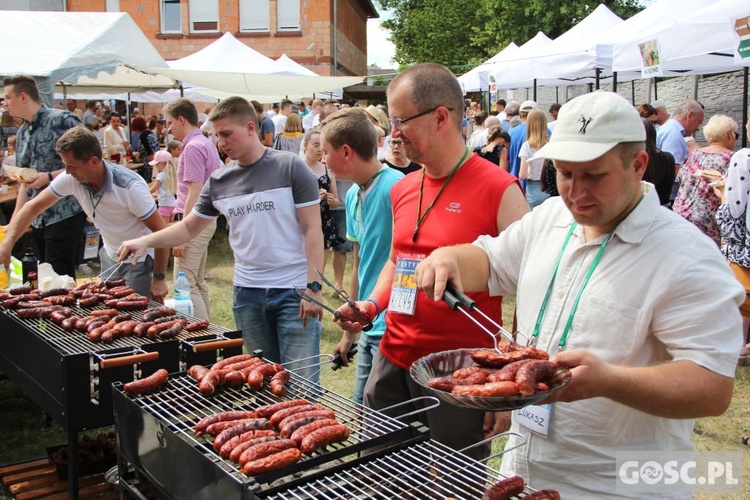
461	33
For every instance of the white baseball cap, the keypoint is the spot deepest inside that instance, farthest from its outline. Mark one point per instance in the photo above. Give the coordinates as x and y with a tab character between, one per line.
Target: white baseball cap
527	106
590	125
160	156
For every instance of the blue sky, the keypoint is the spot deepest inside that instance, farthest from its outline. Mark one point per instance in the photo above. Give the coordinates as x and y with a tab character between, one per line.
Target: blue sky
379	50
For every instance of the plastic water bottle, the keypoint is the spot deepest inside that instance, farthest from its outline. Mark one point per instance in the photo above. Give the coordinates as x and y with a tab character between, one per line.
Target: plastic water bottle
182	302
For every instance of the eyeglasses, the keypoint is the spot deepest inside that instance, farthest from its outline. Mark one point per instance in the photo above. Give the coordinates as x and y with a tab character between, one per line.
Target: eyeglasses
396	143
397	122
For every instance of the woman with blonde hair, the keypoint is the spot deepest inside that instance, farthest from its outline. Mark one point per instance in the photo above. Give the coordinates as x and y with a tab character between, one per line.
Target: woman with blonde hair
531	170
696	200
378	118
291	138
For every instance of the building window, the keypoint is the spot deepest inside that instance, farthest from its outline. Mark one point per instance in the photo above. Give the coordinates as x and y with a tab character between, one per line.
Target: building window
113	6
255	15
171	16
204	16
288	15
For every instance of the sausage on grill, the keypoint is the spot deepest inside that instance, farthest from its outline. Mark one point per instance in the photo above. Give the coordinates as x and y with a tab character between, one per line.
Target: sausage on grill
154	381
277	383
218	427
53	292
141	328
227	434
320	438
268	410
208	384
198	325
105	312
233	450
543	495
232	359
288	428
505	489
88	301
280	415
224	416
265	449
272	462
302	432
157	312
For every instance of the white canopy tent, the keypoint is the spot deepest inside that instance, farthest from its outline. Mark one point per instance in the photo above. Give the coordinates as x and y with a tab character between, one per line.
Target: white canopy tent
79	44
123	80
477	78
699	43
285	65
226	54
564	61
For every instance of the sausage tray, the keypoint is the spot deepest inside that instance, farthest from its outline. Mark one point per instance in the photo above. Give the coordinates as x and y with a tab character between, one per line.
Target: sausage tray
441	364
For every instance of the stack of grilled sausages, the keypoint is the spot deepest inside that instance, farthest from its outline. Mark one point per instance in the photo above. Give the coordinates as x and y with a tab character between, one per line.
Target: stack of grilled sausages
517	371
514	485
235	370
273	436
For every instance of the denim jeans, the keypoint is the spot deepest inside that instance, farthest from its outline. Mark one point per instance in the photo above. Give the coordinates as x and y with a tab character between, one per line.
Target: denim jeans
366	349
534	194
269	320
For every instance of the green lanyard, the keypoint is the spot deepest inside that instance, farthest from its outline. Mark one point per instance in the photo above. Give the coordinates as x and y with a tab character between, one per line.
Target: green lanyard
422	216
543	310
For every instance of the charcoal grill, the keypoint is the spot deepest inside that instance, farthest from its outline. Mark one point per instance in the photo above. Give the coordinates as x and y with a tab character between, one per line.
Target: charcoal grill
70	377
155	436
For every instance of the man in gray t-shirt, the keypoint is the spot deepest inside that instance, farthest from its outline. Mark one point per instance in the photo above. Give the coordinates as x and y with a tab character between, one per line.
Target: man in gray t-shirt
271	203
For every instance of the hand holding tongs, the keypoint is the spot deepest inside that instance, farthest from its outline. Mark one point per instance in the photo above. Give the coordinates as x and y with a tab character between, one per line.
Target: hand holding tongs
114	269
359	316
459	301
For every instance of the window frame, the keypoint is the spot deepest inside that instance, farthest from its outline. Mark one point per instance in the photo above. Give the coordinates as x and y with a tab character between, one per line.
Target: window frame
281	29
259	29
193	4
162	16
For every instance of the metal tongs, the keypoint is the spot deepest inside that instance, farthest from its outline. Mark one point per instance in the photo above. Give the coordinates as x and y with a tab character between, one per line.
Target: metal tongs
461	302
114	269
359	317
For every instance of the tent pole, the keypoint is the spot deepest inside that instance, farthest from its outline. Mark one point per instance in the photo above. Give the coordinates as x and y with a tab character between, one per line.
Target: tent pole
632	92
614	82
534	89
597	73
557	95
656	90
744	105
127	124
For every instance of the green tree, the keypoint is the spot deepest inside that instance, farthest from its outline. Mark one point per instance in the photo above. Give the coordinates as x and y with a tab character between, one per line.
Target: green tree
462	33
434	31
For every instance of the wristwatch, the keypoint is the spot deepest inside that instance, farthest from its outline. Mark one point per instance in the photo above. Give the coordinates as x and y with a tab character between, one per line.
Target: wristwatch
51	178
315	286
159	276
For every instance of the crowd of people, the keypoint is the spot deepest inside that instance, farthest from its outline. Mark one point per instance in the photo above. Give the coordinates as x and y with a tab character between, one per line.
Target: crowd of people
522	202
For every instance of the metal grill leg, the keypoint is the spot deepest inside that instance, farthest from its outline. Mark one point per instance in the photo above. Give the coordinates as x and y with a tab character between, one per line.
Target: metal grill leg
73	465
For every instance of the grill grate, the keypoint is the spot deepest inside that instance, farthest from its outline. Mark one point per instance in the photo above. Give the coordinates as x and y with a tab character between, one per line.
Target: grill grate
179	406
423	470
75	342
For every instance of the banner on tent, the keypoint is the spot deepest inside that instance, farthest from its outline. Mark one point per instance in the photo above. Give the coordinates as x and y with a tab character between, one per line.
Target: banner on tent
650	58
741	27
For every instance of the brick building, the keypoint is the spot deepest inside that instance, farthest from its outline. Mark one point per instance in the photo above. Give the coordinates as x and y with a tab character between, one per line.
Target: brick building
303	29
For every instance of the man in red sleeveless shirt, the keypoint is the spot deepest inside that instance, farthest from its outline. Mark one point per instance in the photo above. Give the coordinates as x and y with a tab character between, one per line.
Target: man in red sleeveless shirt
457	197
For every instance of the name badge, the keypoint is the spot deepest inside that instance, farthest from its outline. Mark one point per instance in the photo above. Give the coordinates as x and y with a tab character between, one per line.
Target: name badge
535	418
404	289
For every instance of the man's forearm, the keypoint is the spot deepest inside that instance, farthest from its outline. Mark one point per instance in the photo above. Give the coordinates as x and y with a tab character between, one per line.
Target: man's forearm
314	252
161	257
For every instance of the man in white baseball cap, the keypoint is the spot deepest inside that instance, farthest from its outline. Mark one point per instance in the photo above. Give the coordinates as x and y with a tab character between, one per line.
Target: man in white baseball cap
604	284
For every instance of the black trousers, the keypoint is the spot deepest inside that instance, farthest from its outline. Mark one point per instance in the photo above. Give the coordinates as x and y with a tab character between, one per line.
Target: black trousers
59	244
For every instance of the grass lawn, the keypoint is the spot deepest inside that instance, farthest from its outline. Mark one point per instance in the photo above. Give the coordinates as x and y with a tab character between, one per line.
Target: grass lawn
25	434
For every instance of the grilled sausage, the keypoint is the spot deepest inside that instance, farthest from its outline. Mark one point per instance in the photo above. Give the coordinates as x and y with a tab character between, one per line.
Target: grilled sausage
227	434
507	372
261	450
322	437
97	334
165	319
531	373
88	301
297	421
53	292
114	283
141	328
157	312
234	378
105	312
154	381
224	416
492	359
21	290
489	390
123	317
234	451
30	304
195	371
61	300
255	379
268	410
232	359
172	331
59	316
280	415
217	427
468	371
120	292
156	329
197	325
69	323
131	305
95	324
302	432
444	384
37	312
278	381
543	495
208	384
273	462
505	489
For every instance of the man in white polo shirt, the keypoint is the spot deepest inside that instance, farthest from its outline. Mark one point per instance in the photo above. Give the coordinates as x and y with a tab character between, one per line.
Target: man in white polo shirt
115	198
